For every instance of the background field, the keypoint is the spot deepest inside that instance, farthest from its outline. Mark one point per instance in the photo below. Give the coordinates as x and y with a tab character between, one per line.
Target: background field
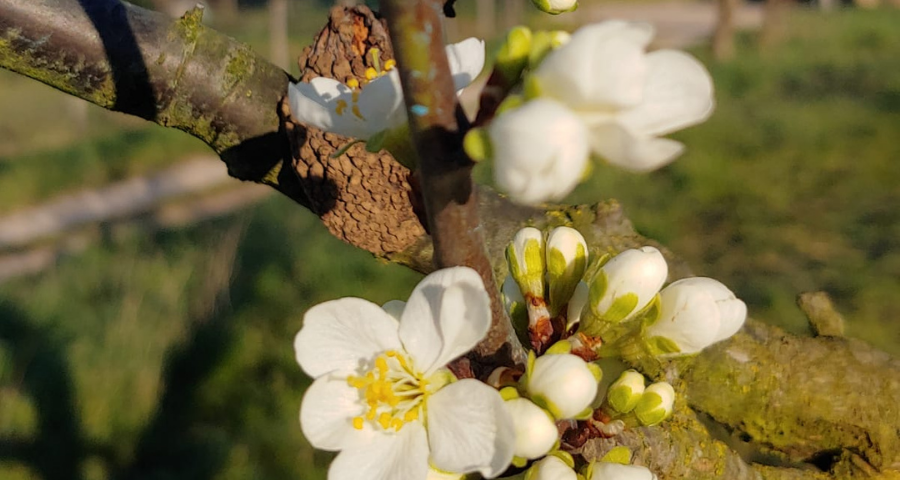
167	354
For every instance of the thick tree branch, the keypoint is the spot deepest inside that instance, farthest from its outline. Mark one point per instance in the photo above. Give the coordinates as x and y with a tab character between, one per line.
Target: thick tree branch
803	403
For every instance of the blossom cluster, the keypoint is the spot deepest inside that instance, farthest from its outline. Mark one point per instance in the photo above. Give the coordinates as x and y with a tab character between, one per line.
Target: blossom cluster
386	397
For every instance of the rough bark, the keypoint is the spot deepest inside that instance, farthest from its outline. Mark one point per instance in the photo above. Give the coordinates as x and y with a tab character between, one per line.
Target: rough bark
778	406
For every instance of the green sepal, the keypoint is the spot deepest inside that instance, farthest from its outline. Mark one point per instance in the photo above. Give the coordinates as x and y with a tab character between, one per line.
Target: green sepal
477	145
547	405
596	371
648	410
650	313
511	102
584	414
620	454
563	277
559	347
622	399
566	457
519	462
531	88
509	393
622	307
375	143
346	147
662	346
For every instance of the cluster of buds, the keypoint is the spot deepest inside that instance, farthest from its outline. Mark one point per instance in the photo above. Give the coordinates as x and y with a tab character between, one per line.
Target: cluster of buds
649	404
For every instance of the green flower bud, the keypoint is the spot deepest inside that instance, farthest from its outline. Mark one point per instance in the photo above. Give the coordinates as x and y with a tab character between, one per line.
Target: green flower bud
536	431
551	467
563	384
555	7
525	256
625	393
512	58
567	258
655	404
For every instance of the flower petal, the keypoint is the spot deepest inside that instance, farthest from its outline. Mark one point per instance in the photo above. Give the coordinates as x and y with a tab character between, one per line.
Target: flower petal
402	456
678	93
466	61
447	314
602	66
310	102
381	104
339	334
469	429
624	149
326	414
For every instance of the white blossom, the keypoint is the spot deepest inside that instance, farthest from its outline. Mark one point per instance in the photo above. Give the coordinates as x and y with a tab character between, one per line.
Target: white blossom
695	313
540	151
363	111
627	97
551	468
555	7
382	395
617	471
626	284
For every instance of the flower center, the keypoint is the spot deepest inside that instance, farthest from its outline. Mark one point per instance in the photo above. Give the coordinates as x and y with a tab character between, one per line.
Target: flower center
394	391
371	74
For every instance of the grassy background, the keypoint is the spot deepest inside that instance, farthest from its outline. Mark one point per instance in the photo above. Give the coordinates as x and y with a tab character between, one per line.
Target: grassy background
168	356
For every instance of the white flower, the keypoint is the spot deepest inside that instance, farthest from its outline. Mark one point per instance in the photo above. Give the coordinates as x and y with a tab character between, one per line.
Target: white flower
627	97
624	286
655	404
695	313
556	7
382	395
330	105
551	468
540	151
617	471
536	431
564	384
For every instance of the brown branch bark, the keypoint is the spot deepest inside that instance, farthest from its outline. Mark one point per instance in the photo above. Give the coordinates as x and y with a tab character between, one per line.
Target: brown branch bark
801	408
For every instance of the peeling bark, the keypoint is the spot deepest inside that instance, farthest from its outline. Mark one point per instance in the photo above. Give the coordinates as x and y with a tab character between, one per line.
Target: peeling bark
800	408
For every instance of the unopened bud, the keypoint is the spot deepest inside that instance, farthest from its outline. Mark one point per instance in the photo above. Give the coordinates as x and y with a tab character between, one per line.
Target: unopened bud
625	393
623	287
555	7
536	431
545	42
617	471
693	314
552	467
564	384
525	256
655	404
512	58
567	257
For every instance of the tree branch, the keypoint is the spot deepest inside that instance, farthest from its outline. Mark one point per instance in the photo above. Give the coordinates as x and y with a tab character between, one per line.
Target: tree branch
804	403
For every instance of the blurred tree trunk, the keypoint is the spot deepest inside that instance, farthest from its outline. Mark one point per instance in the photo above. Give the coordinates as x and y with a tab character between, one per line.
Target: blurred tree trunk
774	24
723	38
486	18
278	33
344	3
828	5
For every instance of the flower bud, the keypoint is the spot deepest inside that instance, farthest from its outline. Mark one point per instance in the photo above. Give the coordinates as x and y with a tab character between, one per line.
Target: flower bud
555	7
540	151
617	471
513	56
625	393
536	431
567	258
694	313
624	286
564	384
545	42
551	468
525	257
655	404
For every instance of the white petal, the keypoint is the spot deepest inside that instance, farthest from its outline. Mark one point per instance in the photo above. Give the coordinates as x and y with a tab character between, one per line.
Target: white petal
732	311
624	149
616	471
469	429
403	456
339	334
678	93
536	430
466	61
688	316
447	314
308	105
381	104
540	151
326	414
565	381
394	308
552	468
602	66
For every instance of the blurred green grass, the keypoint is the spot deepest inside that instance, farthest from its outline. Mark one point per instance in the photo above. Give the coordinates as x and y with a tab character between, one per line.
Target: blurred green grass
151	357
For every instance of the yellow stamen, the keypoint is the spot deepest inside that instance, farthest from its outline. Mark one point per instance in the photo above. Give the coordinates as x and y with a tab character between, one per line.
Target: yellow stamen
384	420
389	65
411	415
353	83
396	424
358	423
371	74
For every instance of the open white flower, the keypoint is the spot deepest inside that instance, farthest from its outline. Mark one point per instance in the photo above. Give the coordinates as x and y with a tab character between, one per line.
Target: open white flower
540	151
362	112
382	395
627	97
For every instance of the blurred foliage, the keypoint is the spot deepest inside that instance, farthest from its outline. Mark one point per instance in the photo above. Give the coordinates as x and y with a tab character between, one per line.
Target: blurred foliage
168	355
